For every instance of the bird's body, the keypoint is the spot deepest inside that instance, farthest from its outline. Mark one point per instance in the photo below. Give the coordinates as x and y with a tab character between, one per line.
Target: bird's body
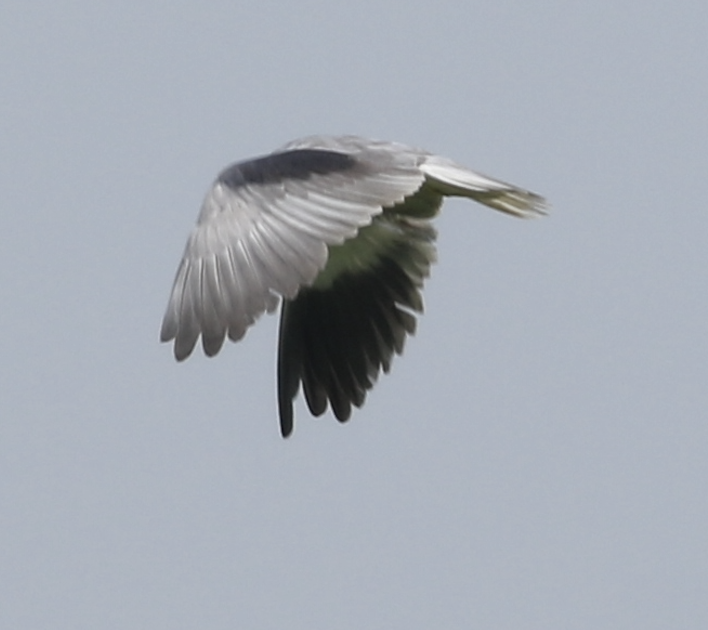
339	228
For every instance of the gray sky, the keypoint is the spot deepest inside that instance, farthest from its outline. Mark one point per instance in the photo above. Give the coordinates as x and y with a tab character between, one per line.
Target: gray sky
537	459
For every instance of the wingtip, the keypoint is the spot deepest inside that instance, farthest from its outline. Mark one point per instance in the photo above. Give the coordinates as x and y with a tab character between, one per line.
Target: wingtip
517	202
537	207
286	420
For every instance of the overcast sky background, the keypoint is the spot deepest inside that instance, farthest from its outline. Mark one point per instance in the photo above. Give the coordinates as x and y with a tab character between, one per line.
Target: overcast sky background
538	457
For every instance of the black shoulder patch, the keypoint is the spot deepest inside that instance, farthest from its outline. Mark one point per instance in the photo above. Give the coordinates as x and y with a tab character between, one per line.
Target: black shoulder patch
295	164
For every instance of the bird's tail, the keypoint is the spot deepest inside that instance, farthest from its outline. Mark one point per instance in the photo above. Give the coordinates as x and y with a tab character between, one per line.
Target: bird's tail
452	179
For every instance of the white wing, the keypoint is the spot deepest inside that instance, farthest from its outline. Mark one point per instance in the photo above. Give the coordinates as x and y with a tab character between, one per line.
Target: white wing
452	179
263	232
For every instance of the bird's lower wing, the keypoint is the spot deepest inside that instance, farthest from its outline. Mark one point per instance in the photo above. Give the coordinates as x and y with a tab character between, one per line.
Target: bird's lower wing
336	337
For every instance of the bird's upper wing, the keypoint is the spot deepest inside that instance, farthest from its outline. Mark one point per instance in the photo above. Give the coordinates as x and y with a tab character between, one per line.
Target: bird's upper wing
264	231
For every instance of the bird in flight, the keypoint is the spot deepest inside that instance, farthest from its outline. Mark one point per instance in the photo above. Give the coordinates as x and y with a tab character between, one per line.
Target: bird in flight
339	229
